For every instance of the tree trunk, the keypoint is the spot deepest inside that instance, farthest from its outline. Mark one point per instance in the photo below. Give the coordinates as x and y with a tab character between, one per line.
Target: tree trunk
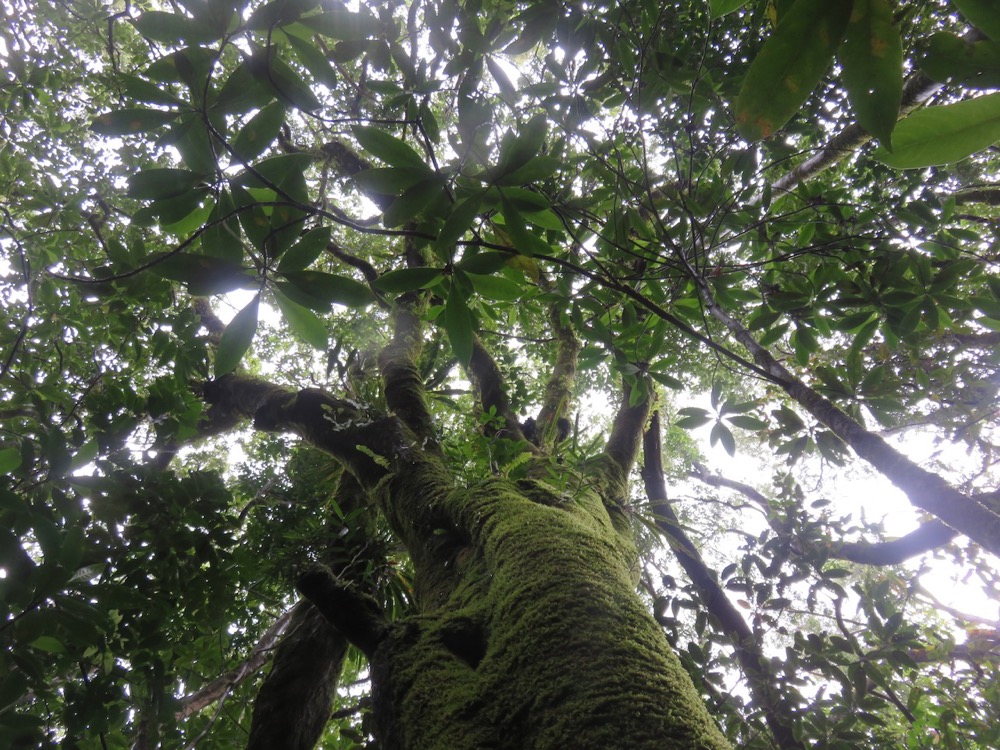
531	634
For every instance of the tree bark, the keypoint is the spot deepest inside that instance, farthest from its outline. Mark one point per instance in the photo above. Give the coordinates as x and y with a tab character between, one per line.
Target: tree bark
527	631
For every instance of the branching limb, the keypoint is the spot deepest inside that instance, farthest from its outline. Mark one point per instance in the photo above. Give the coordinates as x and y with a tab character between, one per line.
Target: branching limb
261	652
626	432
366	443
918	89
404	386
355	615
762	683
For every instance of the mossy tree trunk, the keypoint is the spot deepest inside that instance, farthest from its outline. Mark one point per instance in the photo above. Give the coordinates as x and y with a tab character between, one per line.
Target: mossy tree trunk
527	630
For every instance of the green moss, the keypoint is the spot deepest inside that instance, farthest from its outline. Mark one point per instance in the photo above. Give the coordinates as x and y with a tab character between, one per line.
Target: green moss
542	641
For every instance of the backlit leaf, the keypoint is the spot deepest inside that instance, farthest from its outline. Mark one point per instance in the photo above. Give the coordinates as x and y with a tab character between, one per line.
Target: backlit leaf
331	288
388	148
944	134
236	338
303	321
407	279
130	121
789	65
872	61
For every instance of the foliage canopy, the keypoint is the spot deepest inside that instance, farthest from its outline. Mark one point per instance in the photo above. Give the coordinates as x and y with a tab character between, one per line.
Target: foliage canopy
774	223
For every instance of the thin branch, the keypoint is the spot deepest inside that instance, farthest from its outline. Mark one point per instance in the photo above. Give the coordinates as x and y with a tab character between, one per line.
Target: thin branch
559	388
259	654
762	683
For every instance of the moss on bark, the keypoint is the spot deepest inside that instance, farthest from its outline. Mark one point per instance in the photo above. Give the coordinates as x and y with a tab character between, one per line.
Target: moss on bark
533	636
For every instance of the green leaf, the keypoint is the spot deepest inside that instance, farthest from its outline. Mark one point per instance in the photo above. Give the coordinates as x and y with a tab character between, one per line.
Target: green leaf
278	13
244	91
719	8
202	274
254	138
330	288
495	287
667	380
388	148
506	86
304	252
314	61
273	72
49	644
722	434
303	321
236	339
407	279
789	65
172	28
158	183
486	262
458	222
948	58
221	238
983	14
142	90
130	121
747	423
389	180
10	459
536	170
524	240
343	25
458	325
872	61
413	201
944	134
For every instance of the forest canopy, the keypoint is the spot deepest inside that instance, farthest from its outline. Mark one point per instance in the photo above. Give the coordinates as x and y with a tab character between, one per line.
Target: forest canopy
493	373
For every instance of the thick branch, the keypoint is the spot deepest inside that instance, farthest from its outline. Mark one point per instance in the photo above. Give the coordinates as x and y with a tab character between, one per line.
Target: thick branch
929	536
492	391
366	443
626	431
988	194
404	386
777	712
354	614
925	490
293	704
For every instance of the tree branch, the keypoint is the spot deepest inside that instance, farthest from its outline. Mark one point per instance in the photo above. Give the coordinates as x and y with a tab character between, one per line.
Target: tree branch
492	391
762	683
626	431
925	490
355	615
402	381
294	701
559	388
930	535
918	89
366	442
259	654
